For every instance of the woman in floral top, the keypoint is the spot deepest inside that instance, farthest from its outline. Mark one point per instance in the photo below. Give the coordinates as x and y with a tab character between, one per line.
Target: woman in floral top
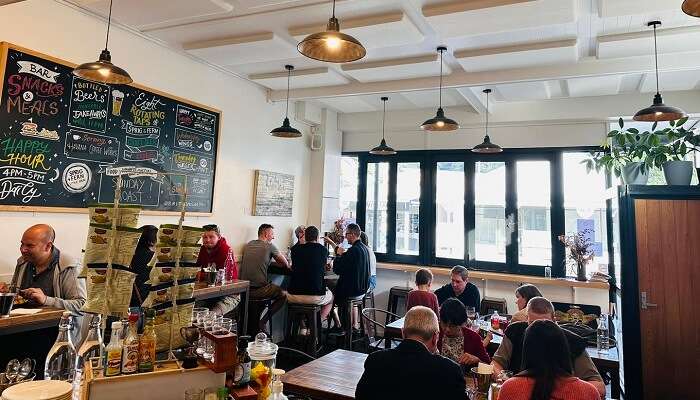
457	342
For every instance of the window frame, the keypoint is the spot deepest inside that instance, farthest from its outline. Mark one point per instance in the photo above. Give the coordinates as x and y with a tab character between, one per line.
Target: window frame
428	160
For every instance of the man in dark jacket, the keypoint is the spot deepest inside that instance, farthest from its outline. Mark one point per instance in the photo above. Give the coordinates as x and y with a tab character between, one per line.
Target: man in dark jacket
352	266
412	370
460	288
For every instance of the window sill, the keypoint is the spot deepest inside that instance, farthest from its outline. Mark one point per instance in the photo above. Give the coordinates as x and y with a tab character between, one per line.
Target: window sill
497	276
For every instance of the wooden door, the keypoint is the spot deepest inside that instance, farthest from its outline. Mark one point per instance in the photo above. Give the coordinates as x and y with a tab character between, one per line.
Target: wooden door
668	252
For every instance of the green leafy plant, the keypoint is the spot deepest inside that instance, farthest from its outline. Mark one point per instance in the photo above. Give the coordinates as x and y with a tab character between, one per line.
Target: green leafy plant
673	143
619	148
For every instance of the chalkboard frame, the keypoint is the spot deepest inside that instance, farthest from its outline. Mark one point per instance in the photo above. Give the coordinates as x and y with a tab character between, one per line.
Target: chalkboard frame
4	50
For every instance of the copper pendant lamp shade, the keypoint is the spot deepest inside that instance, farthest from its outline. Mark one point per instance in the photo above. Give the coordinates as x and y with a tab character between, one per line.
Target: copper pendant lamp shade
487	147
691	7
658	111
383	149
440	123
286	130
103	70
332	45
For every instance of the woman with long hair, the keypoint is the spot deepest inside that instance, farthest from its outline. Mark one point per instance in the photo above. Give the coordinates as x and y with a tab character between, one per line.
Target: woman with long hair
547	372
523	294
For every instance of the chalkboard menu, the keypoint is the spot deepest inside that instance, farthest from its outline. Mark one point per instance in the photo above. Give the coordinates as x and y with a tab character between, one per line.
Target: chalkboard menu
62	139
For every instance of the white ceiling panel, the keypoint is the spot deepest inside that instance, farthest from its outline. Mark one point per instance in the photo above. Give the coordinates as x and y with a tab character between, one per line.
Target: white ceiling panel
299	62
348	104
429	98
140	13
642	43
242	49
630	82
560	52
300	78
594	86
415	67
618	8
523	91
469	18
669	81
376	31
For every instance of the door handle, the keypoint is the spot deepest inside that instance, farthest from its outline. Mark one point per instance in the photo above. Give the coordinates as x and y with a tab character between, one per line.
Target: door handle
644	303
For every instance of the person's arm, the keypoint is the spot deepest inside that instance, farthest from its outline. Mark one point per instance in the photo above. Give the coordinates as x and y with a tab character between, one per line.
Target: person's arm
501	359
72	290
279	258
366	386
585	370
474	346
347	258
456	383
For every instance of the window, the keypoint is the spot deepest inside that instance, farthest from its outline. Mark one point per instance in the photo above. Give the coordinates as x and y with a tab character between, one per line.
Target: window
534	209
376	205
348	187
490	211
407	207
584	207
449	210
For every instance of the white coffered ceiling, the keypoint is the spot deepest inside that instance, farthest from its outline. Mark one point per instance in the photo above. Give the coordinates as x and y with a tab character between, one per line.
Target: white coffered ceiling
524	49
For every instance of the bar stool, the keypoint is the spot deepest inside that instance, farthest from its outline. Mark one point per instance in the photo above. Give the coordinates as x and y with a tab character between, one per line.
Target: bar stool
296	312
256	307
346	319
397	293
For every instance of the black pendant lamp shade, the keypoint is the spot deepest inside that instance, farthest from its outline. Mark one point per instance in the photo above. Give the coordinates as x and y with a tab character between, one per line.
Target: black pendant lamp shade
332	45
487	147
691	7
383	149
658	111
286	130
440	123
103	70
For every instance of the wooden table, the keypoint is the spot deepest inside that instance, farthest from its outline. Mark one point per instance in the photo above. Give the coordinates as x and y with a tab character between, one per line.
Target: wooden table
331	377
45	318
203	292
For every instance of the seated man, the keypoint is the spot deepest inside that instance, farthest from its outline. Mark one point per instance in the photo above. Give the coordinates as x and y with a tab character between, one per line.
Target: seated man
308	272
372	262
44	280
215	252
257	256
412	370
509	353
461	288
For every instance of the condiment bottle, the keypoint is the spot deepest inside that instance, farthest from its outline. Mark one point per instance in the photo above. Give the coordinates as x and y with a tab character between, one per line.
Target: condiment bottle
147	345
277	385
114	351
241	374
130	354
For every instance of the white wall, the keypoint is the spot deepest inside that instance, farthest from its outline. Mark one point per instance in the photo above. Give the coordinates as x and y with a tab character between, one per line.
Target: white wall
59	30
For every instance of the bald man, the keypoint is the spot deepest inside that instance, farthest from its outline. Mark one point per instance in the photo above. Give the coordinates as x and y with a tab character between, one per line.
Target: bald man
40	276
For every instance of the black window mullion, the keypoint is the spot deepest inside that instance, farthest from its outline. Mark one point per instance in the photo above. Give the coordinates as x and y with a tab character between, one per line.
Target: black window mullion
391	212
424	210
557	217
469	213
511	217
361	217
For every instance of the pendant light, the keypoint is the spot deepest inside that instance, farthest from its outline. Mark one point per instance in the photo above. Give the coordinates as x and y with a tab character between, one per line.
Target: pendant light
691	7
286	130
658	111
440	123
332	45
103	70
383	149
487	147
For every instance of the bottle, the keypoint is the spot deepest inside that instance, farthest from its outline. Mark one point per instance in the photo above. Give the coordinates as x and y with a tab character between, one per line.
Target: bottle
130	354
147	345
93	346
495	321
241	374
60	361
277	385
603	338
114	351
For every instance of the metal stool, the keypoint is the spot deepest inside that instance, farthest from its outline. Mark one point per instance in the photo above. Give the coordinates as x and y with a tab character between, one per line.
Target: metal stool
346	318
397	293
256	307
295	313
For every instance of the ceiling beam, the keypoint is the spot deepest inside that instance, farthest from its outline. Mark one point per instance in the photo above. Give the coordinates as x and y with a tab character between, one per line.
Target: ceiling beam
474	100
585	68
467	5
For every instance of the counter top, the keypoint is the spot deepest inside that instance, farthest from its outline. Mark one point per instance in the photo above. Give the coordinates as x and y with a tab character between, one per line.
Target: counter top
19	323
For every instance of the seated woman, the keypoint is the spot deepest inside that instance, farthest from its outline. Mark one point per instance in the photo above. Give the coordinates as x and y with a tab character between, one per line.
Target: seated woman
215	252
308	271
523	294
547	371
421	295
457	342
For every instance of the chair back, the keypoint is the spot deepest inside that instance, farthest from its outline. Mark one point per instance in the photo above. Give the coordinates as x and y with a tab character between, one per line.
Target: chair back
289	358
371	316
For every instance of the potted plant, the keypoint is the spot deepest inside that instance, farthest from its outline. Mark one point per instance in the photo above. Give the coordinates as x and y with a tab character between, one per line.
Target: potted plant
580	251
669	150
624	153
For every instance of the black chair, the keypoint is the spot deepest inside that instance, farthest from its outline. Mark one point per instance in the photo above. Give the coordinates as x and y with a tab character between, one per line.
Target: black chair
346	320
256	308
296	312
491	304
369	315
289	358
396	294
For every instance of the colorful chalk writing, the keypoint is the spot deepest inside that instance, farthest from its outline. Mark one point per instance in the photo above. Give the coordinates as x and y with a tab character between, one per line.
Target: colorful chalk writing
89	146
191	163
88	105
190	141
194	119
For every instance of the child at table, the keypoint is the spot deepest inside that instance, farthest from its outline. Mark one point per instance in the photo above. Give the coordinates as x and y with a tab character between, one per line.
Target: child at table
421	295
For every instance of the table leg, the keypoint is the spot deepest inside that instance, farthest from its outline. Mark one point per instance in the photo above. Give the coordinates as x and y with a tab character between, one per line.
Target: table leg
244	314
615	383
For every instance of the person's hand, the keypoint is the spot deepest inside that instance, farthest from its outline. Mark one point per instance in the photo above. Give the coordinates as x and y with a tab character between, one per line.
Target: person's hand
4	288
487	339
340	250
468	359
35	294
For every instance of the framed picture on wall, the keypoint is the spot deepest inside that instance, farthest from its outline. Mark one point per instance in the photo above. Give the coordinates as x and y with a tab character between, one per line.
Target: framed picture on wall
274	194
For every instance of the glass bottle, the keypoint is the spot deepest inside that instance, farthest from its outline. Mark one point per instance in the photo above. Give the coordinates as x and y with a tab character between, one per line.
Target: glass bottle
60	361
130	354
114	351
241	373
147	345
93	346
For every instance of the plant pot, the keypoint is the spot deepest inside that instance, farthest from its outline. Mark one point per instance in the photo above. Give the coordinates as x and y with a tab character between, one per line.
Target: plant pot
632	174
581	272
678	172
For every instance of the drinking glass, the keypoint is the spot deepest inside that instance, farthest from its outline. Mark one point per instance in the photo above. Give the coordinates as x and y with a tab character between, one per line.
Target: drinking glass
220	277
603	338
195	312
194	394
208	345
547	272
471	312
223	326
